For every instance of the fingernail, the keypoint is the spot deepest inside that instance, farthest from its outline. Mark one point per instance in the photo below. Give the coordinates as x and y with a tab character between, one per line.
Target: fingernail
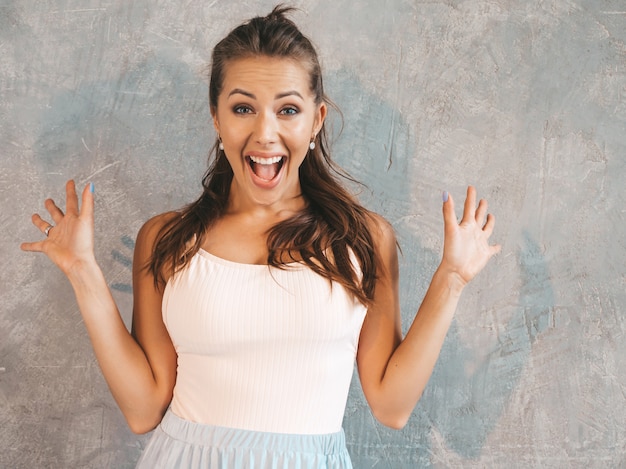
444	196
91	187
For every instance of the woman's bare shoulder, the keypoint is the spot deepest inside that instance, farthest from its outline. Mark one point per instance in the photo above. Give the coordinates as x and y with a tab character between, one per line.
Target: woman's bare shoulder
151	228
381	230
385	245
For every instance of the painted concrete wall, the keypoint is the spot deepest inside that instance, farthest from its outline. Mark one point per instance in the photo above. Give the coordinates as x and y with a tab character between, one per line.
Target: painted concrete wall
525	99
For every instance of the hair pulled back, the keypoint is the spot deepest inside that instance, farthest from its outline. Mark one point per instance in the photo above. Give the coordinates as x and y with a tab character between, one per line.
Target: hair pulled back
332	225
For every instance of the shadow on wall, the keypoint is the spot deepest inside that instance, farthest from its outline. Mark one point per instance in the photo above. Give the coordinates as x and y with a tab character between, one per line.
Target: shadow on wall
466	406
459	408
138	137
125	259
140	133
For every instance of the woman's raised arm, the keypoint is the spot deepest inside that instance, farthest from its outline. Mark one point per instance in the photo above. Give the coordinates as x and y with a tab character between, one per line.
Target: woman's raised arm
394	371
140	372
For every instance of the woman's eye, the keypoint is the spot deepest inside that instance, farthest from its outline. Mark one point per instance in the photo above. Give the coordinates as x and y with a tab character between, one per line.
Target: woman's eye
242	109
289	111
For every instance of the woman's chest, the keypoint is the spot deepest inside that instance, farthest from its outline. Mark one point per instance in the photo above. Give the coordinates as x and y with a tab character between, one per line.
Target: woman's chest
215	306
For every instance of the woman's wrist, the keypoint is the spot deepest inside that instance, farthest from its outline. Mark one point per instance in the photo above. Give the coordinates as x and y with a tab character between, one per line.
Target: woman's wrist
83	271
449	279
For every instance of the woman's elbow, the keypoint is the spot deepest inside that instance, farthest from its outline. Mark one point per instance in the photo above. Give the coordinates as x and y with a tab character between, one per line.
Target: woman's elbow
140	428
395	421
141	425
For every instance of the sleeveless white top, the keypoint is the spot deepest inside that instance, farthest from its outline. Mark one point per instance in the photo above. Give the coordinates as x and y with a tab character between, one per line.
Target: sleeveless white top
261	348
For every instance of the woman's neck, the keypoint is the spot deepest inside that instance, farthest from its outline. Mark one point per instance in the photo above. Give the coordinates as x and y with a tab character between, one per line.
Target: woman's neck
239	204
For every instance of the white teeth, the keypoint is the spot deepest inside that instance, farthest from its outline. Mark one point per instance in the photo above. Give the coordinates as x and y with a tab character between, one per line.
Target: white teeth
257	160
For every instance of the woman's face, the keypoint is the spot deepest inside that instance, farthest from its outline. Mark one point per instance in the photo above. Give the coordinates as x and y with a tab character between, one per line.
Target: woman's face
266	116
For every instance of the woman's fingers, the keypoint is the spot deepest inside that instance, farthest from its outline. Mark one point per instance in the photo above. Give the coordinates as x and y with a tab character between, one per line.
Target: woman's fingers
489	225
449	217
33	247
478	214
40	223
55	212
466	243
71	199
43	226
87	201
481	212
471	213
59	218
469	210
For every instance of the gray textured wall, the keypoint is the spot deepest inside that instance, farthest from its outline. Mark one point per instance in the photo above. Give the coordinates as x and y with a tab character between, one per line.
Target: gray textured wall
525	99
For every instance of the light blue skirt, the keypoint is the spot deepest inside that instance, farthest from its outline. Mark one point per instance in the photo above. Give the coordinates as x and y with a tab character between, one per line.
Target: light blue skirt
180	444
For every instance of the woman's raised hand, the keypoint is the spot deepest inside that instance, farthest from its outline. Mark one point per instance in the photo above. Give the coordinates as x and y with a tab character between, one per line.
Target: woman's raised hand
69	236
466	248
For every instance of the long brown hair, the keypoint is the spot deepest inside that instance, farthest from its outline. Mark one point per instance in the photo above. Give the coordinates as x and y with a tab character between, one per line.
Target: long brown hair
331	225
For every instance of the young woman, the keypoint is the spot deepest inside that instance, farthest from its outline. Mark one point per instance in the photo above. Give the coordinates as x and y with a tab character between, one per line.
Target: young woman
252	303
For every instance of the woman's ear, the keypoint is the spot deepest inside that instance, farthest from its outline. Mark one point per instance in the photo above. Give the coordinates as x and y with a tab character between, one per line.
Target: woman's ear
319	118
216	124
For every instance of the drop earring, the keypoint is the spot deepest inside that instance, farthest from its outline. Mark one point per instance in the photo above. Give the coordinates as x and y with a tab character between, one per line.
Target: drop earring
312	144
220	145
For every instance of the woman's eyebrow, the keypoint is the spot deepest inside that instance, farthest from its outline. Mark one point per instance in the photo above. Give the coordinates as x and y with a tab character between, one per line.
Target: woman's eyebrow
288	93
240	91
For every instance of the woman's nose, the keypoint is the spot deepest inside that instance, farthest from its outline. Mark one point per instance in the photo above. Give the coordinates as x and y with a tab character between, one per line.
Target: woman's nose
265	128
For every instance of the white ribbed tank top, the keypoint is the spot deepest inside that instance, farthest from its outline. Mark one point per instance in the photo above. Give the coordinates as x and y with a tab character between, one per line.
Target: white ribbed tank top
261	348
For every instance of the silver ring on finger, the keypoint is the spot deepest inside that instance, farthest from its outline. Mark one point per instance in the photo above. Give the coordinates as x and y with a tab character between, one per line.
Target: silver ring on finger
46	231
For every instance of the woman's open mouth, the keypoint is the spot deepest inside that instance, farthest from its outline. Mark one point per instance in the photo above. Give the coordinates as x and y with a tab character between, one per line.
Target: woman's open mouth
265	169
